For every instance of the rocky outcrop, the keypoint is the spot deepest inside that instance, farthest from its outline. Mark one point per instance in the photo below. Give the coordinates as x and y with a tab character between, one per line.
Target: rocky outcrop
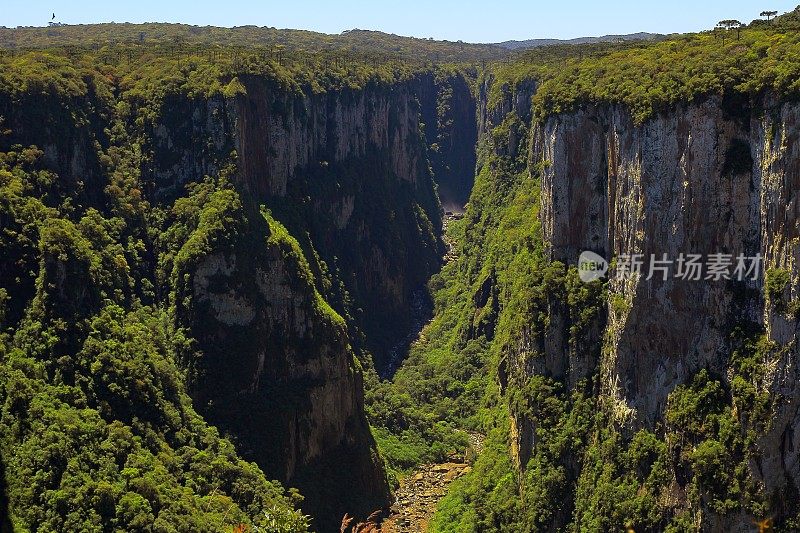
420	492
418	496
278	372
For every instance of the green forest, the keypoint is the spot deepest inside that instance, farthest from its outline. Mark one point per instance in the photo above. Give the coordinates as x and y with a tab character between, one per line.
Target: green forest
114	414
175	36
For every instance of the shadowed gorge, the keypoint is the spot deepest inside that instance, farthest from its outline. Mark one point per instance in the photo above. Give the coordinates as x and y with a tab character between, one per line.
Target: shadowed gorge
271	280
629	402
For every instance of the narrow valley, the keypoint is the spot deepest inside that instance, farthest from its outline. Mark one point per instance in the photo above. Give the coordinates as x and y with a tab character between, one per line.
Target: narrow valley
276	280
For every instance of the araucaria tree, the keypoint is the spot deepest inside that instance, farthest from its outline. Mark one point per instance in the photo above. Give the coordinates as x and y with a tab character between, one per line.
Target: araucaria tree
768	14
730	24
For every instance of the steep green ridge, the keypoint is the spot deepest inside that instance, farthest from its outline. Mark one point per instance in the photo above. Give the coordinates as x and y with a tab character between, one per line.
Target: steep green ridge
98	432
456	380
556	455
133	228
503	218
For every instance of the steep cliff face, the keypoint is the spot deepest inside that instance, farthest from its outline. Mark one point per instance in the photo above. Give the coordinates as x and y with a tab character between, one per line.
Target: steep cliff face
350	169
275	368
346	172
712	177
66	129
449	113
516	99
681	183
283	230
776	154
192	138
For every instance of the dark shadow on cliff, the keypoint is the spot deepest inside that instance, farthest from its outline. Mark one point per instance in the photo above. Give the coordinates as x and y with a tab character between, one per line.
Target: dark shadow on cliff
449	113
345	479
338	484
286	386
381	255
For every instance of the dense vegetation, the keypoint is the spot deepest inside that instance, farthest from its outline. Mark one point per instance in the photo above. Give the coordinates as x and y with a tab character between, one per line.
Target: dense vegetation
148	74
97	428
353	42
98	432
585	472
103	257
652	77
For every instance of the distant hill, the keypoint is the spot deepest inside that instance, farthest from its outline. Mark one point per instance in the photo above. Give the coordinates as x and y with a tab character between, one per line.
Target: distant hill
355	41
535	43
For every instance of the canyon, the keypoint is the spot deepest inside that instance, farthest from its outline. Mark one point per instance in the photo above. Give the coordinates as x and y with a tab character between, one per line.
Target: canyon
356	282
283	325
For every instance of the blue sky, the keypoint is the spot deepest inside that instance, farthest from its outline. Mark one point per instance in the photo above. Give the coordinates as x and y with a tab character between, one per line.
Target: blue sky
483	21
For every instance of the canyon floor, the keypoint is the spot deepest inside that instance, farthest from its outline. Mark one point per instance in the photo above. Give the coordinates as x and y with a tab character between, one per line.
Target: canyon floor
418	495
421	491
